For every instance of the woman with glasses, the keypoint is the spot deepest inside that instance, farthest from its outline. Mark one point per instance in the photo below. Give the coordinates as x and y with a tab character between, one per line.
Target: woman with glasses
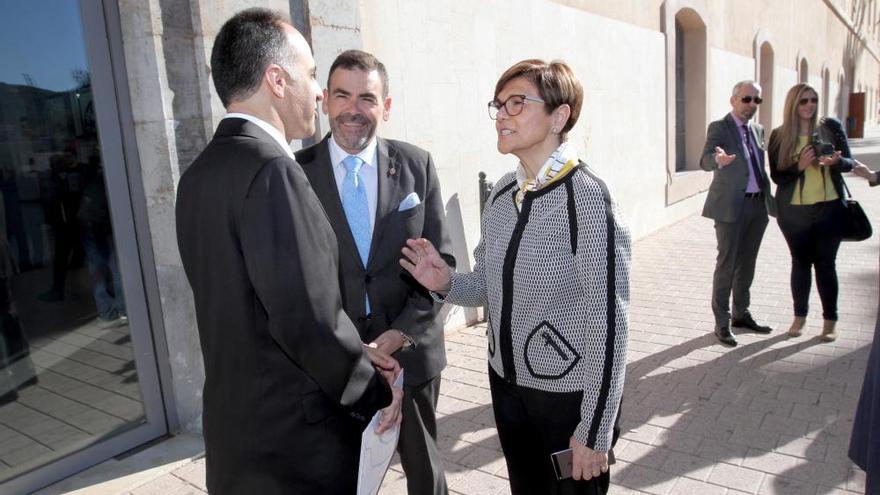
807	156
553	266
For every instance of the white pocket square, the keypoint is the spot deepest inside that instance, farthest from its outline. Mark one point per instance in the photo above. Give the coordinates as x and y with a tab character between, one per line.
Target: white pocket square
409	202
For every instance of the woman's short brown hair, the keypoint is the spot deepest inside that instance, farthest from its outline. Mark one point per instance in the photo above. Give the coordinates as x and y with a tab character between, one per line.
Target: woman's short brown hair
556	84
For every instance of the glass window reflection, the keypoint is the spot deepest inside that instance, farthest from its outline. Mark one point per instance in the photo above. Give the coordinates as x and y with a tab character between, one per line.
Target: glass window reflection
67	373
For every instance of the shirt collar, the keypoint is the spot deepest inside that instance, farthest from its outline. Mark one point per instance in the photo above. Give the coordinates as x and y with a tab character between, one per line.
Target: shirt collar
262	124
739	123
368	154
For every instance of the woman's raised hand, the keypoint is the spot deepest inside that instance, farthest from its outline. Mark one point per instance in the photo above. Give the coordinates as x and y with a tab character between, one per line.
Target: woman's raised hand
424	263
830	160
806	158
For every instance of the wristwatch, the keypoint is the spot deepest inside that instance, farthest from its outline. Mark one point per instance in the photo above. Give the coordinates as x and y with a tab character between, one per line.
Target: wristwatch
408	342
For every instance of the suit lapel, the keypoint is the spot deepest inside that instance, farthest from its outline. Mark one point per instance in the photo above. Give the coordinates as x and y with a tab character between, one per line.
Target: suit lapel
323	182
388	180
736	137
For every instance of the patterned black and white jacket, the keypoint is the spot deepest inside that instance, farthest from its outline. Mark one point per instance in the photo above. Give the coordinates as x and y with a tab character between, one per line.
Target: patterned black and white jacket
555	275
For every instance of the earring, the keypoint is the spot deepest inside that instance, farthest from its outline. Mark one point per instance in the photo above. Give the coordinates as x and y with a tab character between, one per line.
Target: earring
554	130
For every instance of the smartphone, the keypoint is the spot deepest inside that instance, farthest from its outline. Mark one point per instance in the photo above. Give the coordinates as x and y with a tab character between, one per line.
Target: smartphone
562	462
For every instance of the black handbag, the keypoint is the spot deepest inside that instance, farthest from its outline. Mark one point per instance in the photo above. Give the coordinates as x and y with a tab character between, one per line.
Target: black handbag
856	227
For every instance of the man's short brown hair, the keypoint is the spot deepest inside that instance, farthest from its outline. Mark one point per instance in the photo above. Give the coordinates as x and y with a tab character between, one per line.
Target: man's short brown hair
556	83
361	60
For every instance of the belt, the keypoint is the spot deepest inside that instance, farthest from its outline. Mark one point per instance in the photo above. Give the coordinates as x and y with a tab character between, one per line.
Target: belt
754	194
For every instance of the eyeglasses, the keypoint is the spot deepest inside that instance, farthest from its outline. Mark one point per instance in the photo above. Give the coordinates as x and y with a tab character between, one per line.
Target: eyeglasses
804	101
513	105
748	99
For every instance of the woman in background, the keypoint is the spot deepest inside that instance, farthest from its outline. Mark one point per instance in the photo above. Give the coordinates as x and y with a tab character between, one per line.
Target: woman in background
810	201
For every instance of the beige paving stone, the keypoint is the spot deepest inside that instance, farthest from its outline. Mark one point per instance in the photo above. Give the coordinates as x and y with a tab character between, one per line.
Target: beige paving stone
645	433
484	459
777	485
642	454
687	485
193	473
785	427
753	437
747	480
855	482
769	462
447	405
691	466
453	448
803	447
480	483
679	441
164	485
486	437
647	480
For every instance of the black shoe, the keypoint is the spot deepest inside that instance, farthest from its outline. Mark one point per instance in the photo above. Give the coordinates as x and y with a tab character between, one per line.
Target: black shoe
8	397
748	322
725	337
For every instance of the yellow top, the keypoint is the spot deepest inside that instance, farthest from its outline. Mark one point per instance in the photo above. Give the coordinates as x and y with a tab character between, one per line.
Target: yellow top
817	184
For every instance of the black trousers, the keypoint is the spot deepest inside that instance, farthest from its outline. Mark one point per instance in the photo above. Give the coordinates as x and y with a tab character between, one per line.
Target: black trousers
813	233
533	424
420	456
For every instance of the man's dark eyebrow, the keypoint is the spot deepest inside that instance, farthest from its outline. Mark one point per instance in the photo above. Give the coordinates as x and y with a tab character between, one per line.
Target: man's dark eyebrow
340	91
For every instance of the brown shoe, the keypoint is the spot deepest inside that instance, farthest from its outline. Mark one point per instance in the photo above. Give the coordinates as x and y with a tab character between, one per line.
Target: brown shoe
829	334
797	326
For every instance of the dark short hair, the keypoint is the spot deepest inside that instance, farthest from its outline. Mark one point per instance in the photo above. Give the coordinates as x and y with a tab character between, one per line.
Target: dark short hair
246	44
357	59
556	84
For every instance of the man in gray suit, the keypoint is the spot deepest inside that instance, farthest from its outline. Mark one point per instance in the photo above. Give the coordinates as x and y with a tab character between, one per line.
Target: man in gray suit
739	201
378	193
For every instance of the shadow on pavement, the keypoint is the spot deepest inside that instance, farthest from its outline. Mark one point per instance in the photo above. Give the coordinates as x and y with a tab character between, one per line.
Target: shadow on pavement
745	407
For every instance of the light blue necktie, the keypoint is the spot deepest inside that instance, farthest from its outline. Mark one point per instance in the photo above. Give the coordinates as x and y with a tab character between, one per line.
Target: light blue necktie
357	209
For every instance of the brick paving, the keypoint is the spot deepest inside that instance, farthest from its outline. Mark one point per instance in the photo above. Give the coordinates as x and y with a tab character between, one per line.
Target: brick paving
771	416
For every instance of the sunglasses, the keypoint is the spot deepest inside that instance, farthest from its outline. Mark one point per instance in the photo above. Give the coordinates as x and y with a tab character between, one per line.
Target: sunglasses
804	101
748	99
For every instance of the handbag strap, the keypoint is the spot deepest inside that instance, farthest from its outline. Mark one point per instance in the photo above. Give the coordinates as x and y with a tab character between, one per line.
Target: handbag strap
845	187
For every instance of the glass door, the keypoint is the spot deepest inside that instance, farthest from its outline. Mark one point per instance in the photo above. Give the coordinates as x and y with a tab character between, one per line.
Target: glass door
78	379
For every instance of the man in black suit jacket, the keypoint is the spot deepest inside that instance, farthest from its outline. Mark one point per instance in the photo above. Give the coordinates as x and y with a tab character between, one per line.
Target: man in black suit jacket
285	369
401	200
739	201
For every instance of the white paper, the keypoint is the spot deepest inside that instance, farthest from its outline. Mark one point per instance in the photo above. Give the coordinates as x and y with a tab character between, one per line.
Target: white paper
376	452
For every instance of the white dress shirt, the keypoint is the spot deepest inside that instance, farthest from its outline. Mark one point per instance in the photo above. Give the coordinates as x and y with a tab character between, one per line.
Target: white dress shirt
269	128
369	173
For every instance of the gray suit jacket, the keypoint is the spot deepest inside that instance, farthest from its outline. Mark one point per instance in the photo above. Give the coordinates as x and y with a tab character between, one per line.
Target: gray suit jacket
727	191
396	299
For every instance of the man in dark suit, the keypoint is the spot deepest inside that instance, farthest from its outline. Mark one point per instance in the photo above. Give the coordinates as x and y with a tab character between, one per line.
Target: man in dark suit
288	383
739	201
378	193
